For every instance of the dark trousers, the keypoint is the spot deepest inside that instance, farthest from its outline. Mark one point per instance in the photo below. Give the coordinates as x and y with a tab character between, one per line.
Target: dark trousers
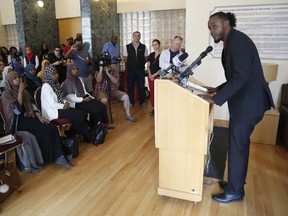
238	153
139	77
47	136
97	110
78	118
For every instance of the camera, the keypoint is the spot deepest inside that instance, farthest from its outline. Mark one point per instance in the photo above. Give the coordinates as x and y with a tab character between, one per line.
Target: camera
103	60
24	77
15	54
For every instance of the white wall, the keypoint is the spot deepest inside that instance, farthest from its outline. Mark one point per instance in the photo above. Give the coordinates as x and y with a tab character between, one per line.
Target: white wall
124	6
197	39
67	8
7	12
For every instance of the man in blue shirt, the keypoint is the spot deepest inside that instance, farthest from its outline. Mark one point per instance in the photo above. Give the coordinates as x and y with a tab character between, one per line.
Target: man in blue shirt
114	51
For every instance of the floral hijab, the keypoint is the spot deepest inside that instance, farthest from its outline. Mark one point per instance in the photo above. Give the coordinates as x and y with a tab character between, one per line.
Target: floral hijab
47	76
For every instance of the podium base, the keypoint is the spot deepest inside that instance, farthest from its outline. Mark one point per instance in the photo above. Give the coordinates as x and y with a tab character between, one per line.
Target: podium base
179	195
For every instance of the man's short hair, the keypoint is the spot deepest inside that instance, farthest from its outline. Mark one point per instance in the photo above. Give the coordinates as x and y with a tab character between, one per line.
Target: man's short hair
178	37
136	32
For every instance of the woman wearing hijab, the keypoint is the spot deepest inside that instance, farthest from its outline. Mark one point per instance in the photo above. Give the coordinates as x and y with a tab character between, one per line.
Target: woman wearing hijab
32	80
20	116
54	106
44	64
76	94
6	70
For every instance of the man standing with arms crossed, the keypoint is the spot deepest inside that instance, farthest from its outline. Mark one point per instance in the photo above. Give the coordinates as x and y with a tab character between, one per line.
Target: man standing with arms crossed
135	55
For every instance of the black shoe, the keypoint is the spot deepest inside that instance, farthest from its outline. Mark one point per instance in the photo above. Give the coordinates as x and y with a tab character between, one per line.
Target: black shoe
227	198
224	185
63	161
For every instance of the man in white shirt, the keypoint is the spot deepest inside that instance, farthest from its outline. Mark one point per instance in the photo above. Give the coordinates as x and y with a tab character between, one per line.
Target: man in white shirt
167	55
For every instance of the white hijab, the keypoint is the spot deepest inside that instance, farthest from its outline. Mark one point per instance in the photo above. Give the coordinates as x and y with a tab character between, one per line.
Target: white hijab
4	74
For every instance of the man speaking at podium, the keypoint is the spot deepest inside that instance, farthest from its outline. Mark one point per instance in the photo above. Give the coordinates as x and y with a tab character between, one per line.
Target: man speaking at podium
247	94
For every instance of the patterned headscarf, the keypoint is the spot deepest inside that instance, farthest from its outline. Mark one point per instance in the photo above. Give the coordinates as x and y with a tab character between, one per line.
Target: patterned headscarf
72	84
47	75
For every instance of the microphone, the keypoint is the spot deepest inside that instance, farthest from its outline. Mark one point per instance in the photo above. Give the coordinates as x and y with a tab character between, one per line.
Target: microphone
177	61
196	63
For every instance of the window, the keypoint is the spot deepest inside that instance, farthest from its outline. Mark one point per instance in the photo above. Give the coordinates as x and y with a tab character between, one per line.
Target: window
162	25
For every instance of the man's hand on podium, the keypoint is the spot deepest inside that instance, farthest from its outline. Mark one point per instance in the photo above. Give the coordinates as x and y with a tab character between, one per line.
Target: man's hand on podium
212	90
207	98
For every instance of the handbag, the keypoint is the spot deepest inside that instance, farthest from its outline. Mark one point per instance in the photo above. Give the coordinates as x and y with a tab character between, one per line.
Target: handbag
99	133
9	180
70	145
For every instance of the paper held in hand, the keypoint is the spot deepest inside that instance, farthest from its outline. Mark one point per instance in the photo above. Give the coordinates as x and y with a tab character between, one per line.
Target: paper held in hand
8	139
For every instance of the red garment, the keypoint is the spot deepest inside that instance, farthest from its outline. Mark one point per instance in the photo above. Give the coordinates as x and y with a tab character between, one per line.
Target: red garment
151	88
66	49
28	55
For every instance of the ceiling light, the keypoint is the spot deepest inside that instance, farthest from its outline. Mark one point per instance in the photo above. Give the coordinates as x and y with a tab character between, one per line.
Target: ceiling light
40	3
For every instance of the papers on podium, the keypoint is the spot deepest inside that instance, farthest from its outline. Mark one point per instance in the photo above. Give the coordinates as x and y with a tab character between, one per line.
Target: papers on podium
186	83
8	139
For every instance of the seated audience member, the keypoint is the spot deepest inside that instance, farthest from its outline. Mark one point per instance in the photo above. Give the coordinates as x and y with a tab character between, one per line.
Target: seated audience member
44	50
31	79
76	94
82	59
57	60
62	46
30	57
54	106
2	66
4	54
44	64
16	59
20	116
6	70
107	79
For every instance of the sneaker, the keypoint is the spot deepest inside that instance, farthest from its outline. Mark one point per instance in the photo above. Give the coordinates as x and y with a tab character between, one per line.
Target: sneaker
131	118
63	161
143	105
152	112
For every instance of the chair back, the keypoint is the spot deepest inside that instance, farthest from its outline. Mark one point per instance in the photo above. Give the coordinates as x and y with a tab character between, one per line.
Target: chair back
1	109
37	98
2	119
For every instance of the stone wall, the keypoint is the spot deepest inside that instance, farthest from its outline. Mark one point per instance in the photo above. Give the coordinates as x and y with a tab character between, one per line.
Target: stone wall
36	25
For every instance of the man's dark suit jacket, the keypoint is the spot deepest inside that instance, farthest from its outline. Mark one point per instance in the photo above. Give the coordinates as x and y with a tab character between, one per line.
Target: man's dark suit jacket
246	90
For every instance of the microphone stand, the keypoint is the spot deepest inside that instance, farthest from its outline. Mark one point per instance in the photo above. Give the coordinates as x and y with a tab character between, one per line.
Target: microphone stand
108	91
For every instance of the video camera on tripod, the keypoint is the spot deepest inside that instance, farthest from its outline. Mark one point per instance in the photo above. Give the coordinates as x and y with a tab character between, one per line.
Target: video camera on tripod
103	60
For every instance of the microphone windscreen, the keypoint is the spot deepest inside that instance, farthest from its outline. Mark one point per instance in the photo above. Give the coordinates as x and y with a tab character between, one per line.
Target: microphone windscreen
183	56
209	49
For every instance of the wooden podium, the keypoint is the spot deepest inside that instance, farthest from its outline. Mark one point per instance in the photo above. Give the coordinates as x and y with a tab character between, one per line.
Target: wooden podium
183	122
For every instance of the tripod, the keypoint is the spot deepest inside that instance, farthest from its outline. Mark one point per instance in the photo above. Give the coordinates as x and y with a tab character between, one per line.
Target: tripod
108	92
